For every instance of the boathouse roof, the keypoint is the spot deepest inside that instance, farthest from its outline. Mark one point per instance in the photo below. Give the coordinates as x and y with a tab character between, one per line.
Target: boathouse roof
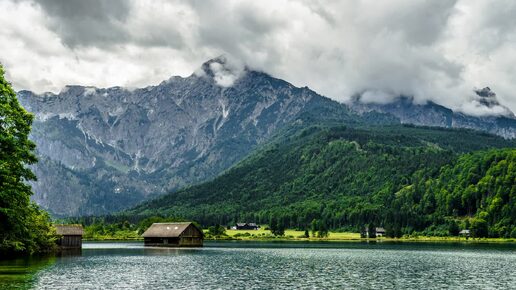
166	230
69	230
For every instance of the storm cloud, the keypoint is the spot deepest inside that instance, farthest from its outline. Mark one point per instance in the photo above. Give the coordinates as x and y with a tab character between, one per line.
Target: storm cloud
432	50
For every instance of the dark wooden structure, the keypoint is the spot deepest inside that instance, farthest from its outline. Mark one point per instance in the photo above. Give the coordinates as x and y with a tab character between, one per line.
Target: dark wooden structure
173	235
69	236
246	226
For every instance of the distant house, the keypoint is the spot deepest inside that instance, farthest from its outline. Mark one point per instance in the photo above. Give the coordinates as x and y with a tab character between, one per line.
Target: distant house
367	233
464	233
69	236
246	226
173	235
380	232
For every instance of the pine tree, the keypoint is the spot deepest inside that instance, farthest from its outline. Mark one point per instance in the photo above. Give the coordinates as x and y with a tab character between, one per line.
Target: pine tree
277	227
314	227
322	229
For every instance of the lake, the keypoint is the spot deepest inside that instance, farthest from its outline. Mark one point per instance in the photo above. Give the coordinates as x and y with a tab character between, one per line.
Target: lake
266	265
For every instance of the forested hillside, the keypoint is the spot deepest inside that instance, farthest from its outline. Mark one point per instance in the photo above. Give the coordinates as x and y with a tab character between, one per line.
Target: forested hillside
481	185
349	177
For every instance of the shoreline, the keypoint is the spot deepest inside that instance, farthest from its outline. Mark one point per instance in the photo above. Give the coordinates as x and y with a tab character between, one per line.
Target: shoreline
351	240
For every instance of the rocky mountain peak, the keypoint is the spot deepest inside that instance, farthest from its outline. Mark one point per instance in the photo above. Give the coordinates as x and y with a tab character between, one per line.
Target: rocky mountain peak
97	145
404	108
486	93
487	98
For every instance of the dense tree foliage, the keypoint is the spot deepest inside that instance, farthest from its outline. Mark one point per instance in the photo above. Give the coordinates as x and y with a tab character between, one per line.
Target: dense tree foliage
216	231
344	178
480	186
24	228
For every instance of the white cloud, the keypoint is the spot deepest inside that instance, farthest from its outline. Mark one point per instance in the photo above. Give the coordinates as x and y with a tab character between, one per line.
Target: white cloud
88	91
377	97
227	72
432	50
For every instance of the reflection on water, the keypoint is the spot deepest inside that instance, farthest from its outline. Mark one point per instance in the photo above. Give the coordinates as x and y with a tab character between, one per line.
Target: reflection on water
69	253
20	273
261	265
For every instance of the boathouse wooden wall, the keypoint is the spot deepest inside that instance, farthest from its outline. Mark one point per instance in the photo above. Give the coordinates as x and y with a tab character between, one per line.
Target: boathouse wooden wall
70	241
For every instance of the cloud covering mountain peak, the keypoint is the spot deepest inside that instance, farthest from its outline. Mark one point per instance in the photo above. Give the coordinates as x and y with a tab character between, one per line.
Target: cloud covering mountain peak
224	71
432	50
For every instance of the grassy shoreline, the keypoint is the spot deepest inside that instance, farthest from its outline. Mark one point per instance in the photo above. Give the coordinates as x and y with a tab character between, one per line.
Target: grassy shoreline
296	236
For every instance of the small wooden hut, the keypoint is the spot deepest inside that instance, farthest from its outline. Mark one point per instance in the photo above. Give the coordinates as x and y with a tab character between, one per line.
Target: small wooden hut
173	235
70	236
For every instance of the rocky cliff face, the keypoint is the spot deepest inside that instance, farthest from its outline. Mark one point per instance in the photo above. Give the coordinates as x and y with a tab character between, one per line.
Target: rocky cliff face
102	150
432	114
105	149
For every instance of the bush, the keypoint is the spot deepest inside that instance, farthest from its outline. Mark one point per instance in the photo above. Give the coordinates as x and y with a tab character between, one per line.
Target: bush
513	233
453	228
479	228
217	231
238	235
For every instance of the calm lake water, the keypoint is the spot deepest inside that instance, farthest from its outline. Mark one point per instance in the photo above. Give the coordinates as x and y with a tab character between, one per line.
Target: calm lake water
266	265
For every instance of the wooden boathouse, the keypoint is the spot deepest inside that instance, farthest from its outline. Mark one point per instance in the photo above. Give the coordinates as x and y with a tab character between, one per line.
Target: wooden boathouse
69	236
184	234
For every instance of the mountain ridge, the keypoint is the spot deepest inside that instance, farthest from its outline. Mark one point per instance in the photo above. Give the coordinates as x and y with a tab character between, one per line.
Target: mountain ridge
432	114
134	144
105	149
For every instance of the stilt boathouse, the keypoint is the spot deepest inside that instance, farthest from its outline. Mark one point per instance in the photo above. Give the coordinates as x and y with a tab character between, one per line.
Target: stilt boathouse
69	236
173	235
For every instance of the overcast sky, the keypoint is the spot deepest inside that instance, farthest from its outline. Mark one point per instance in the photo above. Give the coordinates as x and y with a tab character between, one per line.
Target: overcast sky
433	50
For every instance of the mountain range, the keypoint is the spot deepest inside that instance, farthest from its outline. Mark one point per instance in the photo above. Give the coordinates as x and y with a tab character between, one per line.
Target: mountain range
432	114
103	150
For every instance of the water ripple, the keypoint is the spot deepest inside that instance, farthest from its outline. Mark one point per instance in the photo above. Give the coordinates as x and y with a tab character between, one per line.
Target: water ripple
130	266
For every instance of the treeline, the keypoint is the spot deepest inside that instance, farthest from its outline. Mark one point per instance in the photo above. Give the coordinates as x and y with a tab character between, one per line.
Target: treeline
343	178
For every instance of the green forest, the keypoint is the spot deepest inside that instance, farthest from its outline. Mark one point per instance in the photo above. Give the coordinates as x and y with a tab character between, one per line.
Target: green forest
408	179
477	192
24	228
